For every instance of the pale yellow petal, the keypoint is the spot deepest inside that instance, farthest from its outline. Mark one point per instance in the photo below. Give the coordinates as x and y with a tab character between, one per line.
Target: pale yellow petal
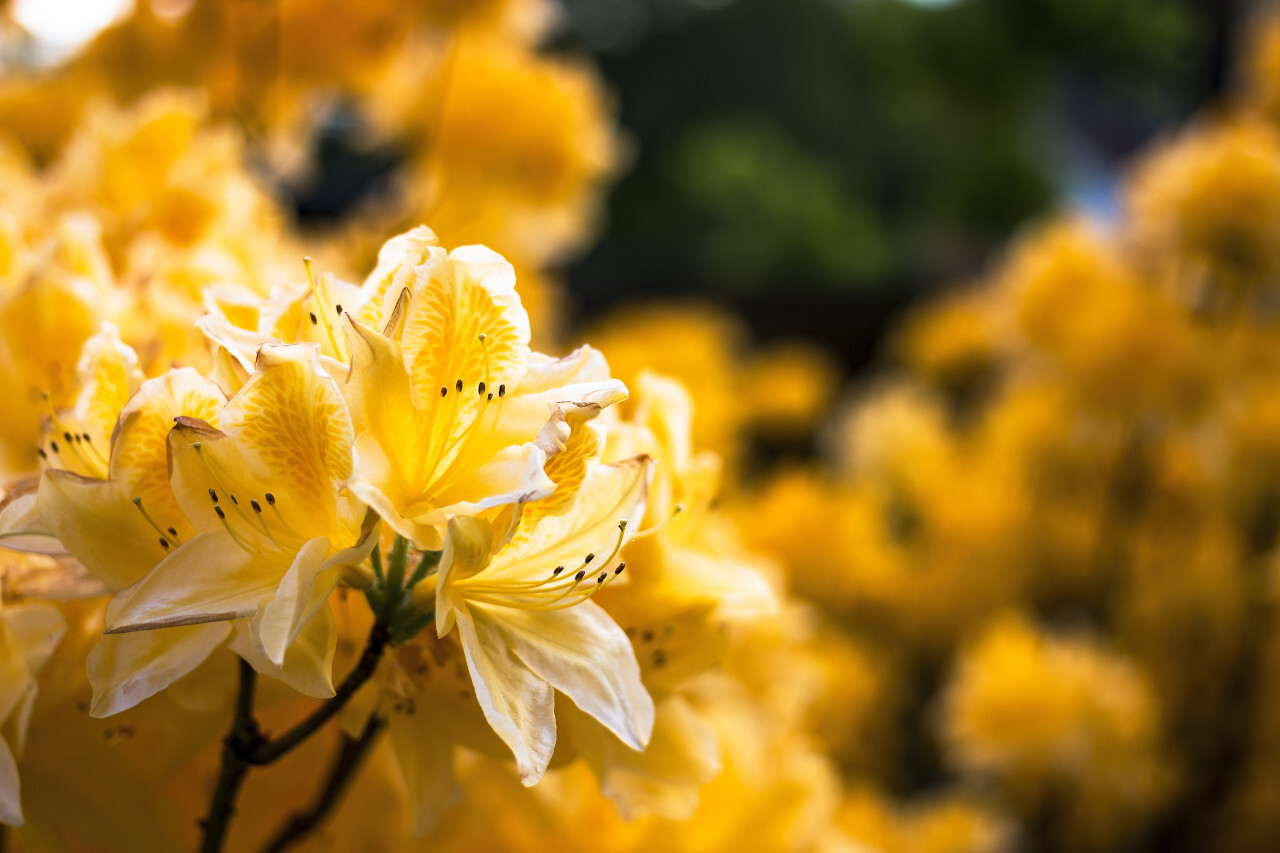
303	590
99	527
424	752
208	579
518	705
10	791
308	663
125	669
466	551
581	652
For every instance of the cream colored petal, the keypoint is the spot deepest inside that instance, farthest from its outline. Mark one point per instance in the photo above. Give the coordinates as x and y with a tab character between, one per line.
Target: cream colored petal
303	590
208	579
308	663
466	551
584	365
424	752
36	628
10	791
100	528
581	652
22	529
524	414
513	475
125	669
519	706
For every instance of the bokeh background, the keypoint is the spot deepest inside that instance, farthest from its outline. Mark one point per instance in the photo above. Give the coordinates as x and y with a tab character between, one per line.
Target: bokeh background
976	299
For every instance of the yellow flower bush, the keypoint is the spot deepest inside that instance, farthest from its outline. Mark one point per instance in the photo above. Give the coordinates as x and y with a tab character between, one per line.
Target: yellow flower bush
352	553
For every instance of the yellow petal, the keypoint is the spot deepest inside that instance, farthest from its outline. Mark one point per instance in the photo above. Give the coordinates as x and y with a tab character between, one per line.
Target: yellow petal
664	779
139	453
293	434
394	272
610	494
303	590
208	579
125	669
22	529
455	300
107	376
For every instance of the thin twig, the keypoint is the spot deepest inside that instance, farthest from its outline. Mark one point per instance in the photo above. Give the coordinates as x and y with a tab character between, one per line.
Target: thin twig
244	735
345	765
267	751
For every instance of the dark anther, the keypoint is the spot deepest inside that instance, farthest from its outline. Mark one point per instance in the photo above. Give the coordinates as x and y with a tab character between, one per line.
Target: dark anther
172	532
271	499
659	658
164	543
618	570
233	499
314	320
600	579
647	636
67	437
444	392
502	390
458	385
43	455
590	557
87	438
557	570
481	391
490	397
213	495
579	576
222	515
53	445
257	507
338	308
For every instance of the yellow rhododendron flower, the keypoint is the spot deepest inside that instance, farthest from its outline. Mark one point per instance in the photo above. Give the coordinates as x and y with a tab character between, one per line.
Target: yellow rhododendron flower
447	409
527	624
274	525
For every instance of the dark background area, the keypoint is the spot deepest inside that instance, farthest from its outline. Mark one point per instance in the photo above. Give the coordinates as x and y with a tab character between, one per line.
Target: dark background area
818	165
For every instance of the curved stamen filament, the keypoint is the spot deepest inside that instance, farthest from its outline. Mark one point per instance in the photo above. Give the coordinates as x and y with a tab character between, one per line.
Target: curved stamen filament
165	534
244	546
96	468
324	315
552	593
